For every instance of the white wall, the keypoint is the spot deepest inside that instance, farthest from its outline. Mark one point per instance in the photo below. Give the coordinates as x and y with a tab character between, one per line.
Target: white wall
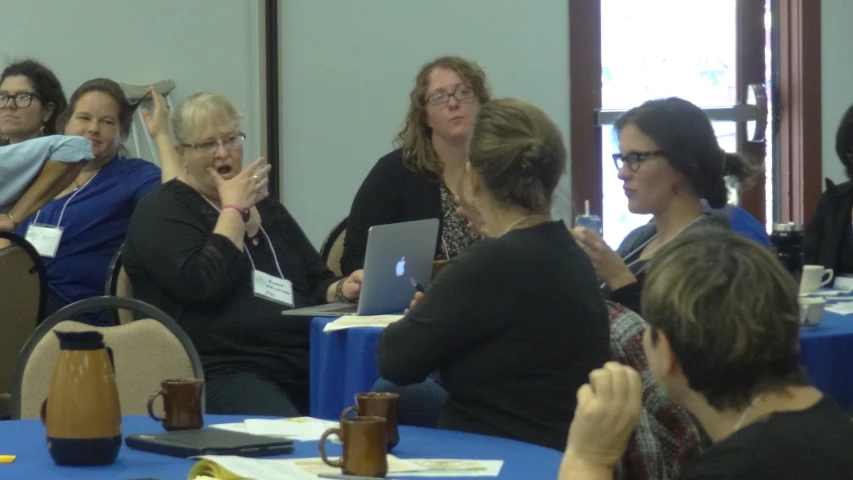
201	44
348	67
837	77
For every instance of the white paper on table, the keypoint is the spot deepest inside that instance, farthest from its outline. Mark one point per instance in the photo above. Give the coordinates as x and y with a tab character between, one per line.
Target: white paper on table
352	321
305	429
449	467
260	469
316	466
300	429
844	283
843	308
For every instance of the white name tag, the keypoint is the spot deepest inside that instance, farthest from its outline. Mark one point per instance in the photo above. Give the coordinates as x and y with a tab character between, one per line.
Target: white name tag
44	238
276	289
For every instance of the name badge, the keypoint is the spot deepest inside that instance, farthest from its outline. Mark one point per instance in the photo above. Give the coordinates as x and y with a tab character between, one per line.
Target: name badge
45	239
271	288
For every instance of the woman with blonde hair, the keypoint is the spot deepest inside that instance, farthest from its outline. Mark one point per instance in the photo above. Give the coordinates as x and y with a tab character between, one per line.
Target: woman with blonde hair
213	251
414	181
722	340
516	322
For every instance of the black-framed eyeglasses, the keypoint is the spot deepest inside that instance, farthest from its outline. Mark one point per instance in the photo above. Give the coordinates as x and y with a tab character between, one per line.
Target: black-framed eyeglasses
440	98
230	142
633	159
20	100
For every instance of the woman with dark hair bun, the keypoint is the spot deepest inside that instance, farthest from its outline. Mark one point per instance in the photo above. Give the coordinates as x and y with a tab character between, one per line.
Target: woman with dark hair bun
669	161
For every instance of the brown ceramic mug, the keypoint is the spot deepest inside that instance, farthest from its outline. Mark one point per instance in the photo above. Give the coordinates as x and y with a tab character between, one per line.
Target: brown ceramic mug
437	266
181	404
378	404
364	447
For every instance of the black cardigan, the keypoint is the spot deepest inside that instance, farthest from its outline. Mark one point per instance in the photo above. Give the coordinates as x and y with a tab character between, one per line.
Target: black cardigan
391	193
176	263
825	232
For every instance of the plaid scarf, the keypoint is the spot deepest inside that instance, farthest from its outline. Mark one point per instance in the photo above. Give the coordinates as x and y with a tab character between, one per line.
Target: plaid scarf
666	436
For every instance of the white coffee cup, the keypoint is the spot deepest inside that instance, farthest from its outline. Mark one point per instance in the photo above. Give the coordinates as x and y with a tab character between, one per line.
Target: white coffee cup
811	311
814	277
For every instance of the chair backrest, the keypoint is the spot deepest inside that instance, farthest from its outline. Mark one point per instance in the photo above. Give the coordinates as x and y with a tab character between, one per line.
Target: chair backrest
118	285
666	436
145	351
23	286
333	247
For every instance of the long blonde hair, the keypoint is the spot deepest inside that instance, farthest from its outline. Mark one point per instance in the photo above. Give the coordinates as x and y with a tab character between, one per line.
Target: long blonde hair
415	137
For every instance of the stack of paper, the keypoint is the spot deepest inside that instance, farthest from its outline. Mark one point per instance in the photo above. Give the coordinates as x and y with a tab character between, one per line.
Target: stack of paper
351	321
305	429
226	467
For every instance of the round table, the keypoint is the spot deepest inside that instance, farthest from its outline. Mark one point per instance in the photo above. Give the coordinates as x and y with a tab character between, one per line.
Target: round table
26	439
343	362
826	352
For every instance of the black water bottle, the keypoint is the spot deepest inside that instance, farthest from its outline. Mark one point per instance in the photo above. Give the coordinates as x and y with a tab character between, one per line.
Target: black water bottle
786	241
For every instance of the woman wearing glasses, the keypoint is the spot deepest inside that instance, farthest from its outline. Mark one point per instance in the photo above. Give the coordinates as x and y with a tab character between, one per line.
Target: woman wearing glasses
213	251
36	163
81	229
417	180
669	161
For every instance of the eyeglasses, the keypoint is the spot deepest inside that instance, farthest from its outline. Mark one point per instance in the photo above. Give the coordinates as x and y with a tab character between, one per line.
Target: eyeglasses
633	159
440	98
19	100
231	142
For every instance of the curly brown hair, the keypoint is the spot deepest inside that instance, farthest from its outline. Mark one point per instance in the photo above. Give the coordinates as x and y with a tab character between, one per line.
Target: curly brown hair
414	138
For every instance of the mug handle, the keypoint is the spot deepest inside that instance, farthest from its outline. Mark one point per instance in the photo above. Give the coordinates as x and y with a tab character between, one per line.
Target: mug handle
151	405
826	272
43	412
347	412
322	445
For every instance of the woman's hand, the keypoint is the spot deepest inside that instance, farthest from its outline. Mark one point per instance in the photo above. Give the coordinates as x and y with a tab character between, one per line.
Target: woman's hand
158	121
470	213
609	266
352	285
6	224
247	188
415	301
607	411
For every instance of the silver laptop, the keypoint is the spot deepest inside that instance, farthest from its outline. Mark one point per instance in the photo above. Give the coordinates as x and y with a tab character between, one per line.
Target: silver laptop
396	254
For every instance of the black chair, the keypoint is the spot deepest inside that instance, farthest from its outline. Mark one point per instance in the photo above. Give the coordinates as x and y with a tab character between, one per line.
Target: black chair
333	247
118	285
23	292
145	352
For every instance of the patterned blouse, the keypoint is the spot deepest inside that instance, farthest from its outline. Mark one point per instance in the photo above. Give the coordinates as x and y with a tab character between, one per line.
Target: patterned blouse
455	234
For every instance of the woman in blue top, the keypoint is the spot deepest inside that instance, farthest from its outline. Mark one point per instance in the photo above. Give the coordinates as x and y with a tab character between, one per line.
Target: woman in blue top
87	222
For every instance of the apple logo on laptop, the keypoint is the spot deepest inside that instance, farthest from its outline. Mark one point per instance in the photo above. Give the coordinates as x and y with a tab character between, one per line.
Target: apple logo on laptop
401	267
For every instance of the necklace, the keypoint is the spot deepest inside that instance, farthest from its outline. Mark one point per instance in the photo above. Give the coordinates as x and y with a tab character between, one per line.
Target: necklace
518	222
746	413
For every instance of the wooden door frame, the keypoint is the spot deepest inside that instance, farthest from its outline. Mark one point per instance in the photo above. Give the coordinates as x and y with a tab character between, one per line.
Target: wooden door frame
796	98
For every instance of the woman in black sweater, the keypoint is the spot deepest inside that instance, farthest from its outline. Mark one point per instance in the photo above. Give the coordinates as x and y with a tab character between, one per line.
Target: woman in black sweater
829	234
516	322
417	180
211	250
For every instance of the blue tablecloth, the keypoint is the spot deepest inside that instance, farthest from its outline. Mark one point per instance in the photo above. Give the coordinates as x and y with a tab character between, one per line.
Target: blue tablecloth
343	363
26	439
827	355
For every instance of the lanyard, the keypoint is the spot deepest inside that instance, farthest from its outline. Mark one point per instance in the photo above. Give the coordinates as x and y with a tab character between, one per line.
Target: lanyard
62	212
246	249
